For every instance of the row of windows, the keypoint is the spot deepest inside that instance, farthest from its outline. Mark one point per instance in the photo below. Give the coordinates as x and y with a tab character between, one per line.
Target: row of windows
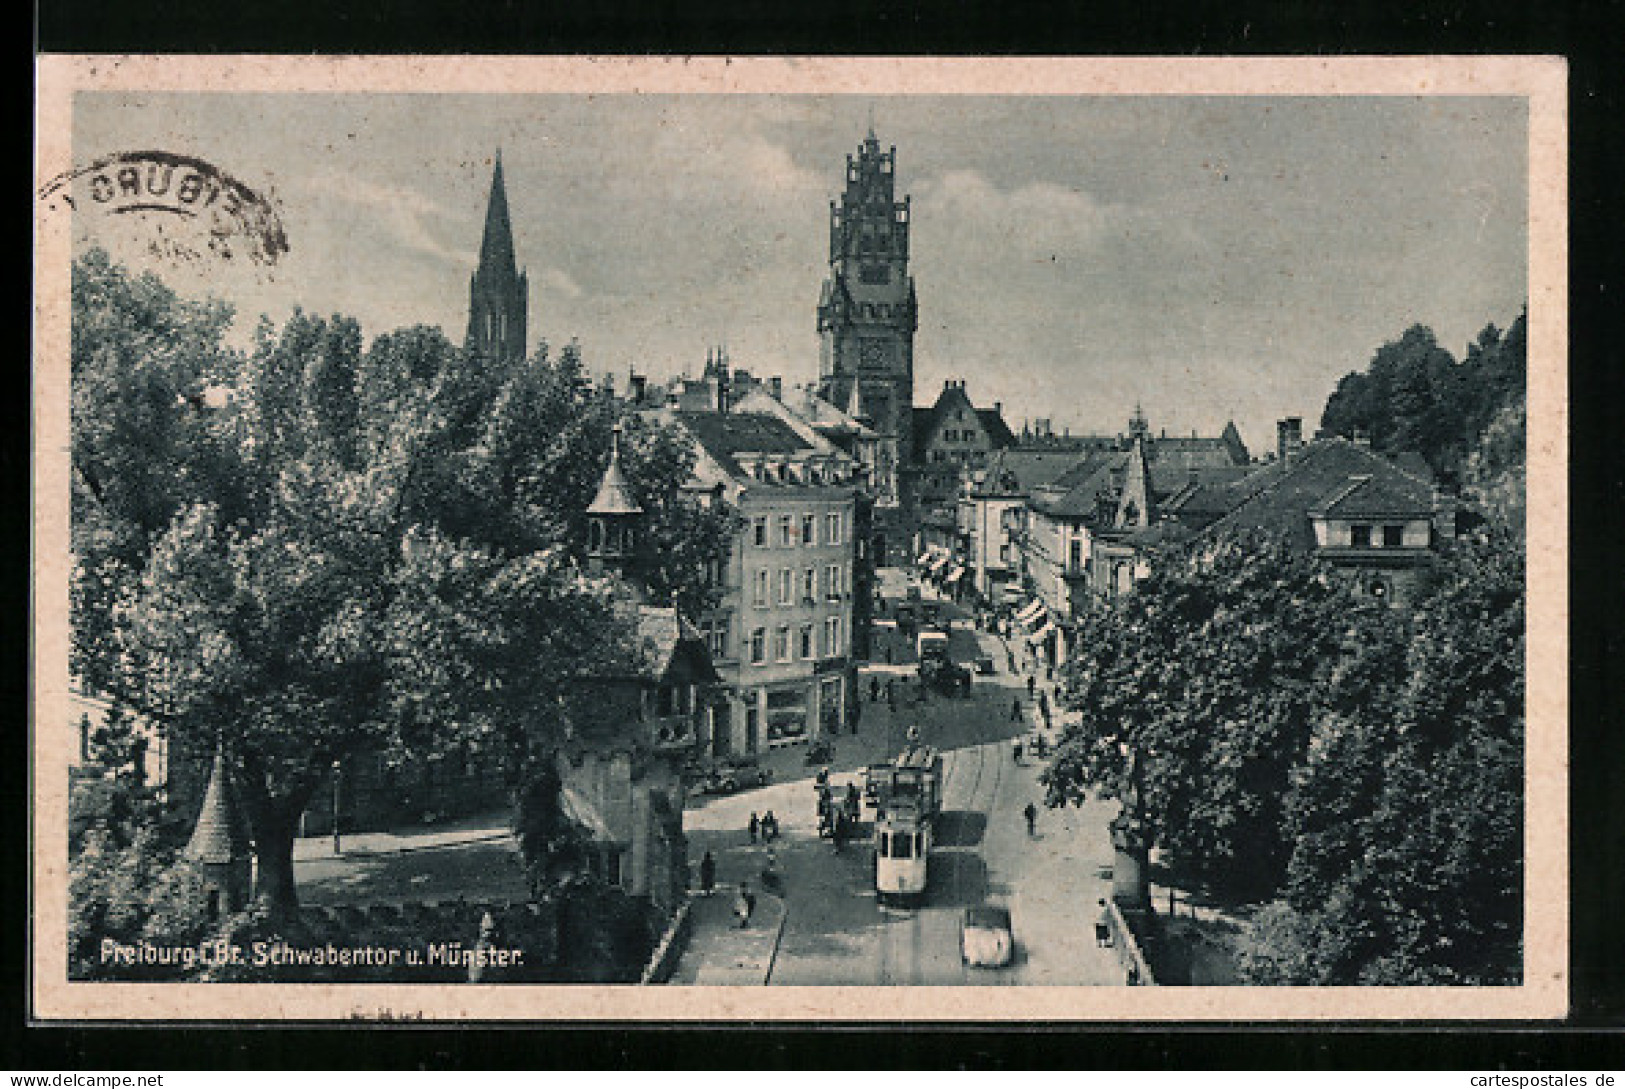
792	533
792	645
1360	536
801	587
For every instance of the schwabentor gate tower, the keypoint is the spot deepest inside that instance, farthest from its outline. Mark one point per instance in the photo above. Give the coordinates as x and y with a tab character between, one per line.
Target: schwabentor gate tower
867	315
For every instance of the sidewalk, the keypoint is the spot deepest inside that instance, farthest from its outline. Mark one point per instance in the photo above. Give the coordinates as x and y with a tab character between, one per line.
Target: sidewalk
484	828
721	953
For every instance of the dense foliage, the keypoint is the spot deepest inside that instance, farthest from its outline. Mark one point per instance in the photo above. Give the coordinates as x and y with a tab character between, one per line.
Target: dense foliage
1360	764
1415	396
318	547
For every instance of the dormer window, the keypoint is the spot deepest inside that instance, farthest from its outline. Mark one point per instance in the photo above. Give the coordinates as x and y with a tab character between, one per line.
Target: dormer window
1393	536
1359	536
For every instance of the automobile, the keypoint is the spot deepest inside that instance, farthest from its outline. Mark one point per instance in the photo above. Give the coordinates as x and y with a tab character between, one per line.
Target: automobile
733	775
985	939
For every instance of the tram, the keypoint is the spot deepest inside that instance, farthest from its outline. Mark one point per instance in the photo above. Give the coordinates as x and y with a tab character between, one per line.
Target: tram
907	795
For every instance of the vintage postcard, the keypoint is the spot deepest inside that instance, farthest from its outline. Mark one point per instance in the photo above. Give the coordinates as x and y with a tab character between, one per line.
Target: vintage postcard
799	539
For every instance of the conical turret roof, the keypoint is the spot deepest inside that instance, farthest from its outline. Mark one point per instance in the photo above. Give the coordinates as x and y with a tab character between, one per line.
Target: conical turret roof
614	493
219	835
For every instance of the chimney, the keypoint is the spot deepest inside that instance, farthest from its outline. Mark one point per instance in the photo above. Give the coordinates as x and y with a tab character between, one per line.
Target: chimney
1288	436
1444	514
998	408
639	386
775	386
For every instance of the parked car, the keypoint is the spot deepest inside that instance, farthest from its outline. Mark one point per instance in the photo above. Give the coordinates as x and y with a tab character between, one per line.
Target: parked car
737	774
985	938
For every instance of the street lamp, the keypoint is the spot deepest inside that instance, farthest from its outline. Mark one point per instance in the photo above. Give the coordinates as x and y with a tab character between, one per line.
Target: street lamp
337	774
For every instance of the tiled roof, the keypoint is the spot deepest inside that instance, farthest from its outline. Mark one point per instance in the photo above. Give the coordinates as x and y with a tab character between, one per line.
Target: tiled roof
727	434
1279	497
1019	472
219	835
998	432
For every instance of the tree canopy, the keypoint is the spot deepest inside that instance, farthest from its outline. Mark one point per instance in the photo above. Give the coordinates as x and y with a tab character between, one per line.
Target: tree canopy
1360	766
1415	396
318	547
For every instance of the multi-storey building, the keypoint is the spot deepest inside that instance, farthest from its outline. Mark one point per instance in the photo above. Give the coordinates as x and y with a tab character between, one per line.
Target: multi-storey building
782	635
867	315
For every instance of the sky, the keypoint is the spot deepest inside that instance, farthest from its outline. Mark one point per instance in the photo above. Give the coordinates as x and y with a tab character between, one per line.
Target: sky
1209	258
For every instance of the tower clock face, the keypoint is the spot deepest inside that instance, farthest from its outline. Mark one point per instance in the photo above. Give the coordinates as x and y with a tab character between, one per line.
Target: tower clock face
874	354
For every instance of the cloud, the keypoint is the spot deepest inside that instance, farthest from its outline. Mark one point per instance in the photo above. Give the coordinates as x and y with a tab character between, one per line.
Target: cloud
400	214
559	282
1033	221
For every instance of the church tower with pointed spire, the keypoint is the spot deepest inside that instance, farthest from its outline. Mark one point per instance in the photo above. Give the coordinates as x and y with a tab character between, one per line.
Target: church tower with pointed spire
867	313
498	291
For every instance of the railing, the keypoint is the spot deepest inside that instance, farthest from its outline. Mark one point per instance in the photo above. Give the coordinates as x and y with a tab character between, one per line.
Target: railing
1136	968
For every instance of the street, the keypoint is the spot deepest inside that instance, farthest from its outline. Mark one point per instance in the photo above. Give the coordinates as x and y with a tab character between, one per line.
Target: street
835	932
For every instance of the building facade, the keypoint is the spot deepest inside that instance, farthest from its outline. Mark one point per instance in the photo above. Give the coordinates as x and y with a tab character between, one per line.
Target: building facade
782	635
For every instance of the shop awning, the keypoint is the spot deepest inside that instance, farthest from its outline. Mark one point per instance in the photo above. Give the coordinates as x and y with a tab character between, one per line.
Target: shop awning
1042	633
1031	612
955	573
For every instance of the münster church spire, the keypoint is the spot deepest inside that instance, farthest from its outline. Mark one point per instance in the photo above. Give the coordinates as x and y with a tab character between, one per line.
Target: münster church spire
498	292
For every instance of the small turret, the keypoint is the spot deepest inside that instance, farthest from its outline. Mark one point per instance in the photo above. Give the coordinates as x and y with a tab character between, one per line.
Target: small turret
219	847
612	516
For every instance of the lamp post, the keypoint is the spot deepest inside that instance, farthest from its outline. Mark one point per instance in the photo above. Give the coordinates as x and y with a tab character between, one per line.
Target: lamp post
338	772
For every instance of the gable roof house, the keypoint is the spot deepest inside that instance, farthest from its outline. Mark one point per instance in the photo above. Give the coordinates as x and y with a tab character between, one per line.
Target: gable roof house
1375	518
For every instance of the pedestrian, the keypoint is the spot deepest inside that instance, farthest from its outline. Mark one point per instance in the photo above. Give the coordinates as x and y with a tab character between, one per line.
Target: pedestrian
1015	750
1031	813
708	874
913	733
1015	709
1043	704
744	905
770	827
1103	926
1032	682
479	964
874	689
754	826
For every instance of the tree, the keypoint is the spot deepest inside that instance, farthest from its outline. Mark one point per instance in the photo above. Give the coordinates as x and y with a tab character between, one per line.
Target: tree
1407	818
356	549
1415	397
1209	672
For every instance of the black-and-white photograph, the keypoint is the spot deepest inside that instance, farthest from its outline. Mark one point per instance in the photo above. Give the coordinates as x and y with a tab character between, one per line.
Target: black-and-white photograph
811	540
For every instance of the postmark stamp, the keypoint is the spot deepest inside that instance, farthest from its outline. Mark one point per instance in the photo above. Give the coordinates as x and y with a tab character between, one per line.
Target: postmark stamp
186	208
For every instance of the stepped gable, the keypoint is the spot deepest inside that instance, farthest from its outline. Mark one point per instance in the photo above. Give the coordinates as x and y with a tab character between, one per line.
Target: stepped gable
220	835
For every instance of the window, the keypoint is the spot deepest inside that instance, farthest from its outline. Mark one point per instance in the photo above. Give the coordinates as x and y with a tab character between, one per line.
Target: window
832	637
787	585
1393	536
761	589
758	646
809	530
832	527
832	582
787	527
1360	536
719	639
781	643
902	845
806	641
809	584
